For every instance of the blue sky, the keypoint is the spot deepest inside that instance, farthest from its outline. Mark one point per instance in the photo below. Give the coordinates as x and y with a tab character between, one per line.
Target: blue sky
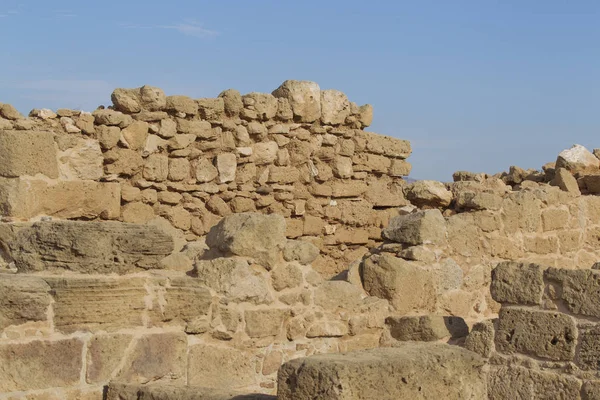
475	85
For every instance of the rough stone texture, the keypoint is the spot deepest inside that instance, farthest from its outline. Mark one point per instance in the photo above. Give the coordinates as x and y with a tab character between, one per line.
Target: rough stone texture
579	290
104	355
588	351
23	299
407	372
426	328
429	193
426	226
481	338
517	283
521	383
33	365
220	367
125	391
544	334
28	153
565	181
250	235
578	160
99	247
302	251
264	322
28	198
304	97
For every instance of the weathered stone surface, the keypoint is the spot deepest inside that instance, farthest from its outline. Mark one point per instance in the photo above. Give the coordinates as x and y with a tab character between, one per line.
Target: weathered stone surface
156	168
426	328
182	104
481	338
205	171
33	365
412	371
28	198
429	193
126	100
286	276
232	277
23	299
335	107
421	227
579	290
135	135
104	356
127	391
545	334
28	153
591	390
299	250
80	246
337	294
578	160
8	111
156	357
137	212
122	162
304	97
388	146
261	237
232	102
409	286
327	329
264	322
565	181
226	165
80	159
220	367
264	152
521	383
588	350
517	283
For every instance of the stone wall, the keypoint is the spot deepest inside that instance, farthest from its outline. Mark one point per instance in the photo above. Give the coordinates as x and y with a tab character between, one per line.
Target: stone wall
300	152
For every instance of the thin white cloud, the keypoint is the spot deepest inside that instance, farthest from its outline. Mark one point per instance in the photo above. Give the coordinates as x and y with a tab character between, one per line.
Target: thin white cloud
188	28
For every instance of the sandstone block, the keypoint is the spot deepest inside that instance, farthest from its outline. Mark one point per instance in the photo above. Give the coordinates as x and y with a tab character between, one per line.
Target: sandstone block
261	237
264	152
588	351
124	162
182	104
264	322
264	104
591	390
428	193
335	107
179	169
517	283
427	226
412	371
211	109
40	364
578	289
387	146
28	198
8	111
304	97
513	382
104	356
137	213
286	276
82	159
578	160
205	171
23	299
565	181
232	277
327	329
125	391
331	295
28	153
220	367
126	100
232	102
111	118
226	165
426	328
473	200
545	334
302	251
156	168
481	338
99	247
555	218
135	135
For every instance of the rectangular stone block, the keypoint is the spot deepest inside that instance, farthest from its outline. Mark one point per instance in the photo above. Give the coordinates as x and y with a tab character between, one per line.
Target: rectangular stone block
127	391
28	153
104	355
388	146
97	303
82	246
22	299
522	383
40	364
545	334
221	367
407	372
517	283
578	289
26	198
185	300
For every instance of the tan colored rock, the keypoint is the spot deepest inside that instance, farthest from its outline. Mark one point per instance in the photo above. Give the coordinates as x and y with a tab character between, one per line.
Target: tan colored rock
28	198
565	181
23	299
513	382
232	102
546	334
126	100
400	168
413	370
261	237
33	365
331	295
264	322
137	213
9	112
286	276
218	206
264	152
156	168
517	283
577	289
221	367
111	118
182	104
264	104
426	328
152	98
302	251
481	338
179	169
422	227
429	193
135	135
104	355
232	277
387	146
211	109
342	167
226	166
327	329
365	115
81	160
578	160
180	218
100	247
335	107
304	97
108	136
28	153
205	171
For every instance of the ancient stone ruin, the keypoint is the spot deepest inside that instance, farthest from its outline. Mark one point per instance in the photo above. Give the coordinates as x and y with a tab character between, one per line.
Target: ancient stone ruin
266	246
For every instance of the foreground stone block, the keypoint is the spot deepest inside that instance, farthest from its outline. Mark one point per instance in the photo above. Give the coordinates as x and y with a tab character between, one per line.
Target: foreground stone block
517	283
91	247
28	198
128	391
257	236
23	299
544	334
410	371
40	364
304	97
426	328
28	153
522	383
427	226
579	292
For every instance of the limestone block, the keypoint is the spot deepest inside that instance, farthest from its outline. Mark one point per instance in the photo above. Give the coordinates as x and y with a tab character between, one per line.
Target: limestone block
135	135
555	218
104	356
348	189
426	328
91	247
481	338
8	111
327	329
588	350
137	212
125	162
428	193
28	153
205	171
28	198
517	283
422	227
264	322
299	250
473	200
232	102
521	210
218	206
179	169
591	389
125	391
545	334
578	289
365	115
226	165
186	299
283	175
264	152
181	104
261	237
342	167
82	159
221	367
331	295
111	118
578	160
211	109
126	100
156	168
513	382
407	285
382	193
156	357
335	107
463	236
565	181
232	277
286	276
304	97
40	364
264	104
387	146
412	371
23	299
